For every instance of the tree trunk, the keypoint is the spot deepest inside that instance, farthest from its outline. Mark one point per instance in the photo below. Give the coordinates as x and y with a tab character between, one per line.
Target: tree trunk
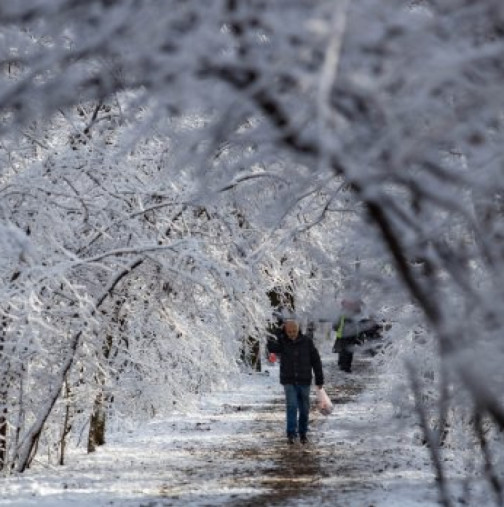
490	473
97	424
4	392
67	424
3	434
250	354
98	420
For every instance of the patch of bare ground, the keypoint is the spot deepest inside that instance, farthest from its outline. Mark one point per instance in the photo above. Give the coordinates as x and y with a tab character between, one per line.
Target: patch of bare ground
260	468
297	473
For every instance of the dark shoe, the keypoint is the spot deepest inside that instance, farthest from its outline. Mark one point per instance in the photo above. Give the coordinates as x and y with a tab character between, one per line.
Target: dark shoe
291	439
303	439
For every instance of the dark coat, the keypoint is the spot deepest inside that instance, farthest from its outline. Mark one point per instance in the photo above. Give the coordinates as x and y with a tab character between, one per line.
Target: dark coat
297	360
356	332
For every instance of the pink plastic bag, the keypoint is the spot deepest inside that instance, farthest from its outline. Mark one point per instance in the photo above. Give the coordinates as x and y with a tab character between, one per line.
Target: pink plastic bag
324	404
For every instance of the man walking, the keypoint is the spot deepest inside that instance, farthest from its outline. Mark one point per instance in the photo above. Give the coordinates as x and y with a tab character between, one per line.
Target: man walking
298	357
352	329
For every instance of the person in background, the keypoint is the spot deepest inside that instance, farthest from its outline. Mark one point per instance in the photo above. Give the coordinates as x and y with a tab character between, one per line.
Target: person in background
352	329
298	359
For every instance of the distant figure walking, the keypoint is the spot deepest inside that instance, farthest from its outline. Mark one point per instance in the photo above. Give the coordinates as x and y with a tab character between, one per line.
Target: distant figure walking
298	358
352	329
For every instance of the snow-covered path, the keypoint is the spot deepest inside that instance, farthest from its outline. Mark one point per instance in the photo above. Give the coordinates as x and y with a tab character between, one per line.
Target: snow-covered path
232	451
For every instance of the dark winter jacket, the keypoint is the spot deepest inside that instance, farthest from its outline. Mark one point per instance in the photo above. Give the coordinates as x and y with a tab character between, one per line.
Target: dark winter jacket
355	332
297	360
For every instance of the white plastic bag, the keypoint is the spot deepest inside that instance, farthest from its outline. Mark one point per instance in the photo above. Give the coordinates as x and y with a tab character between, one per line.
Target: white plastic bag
324	404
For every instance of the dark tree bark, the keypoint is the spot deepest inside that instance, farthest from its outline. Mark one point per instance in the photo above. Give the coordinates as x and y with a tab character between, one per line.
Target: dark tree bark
4	393
67	424
97	424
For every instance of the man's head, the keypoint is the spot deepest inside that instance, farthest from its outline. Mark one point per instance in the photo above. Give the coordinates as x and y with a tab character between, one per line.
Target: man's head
291	328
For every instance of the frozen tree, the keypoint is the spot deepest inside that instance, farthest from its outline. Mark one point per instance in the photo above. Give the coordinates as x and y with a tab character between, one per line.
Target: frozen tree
168	327
309	138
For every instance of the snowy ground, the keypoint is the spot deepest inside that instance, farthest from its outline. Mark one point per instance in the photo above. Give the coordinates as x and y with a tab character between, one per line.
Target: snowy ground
232	451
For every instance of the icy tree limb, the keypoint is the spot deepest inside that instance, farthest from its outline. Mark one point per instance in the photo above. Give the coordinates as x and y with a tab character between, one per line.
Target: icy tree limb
485	399
430	437
490	473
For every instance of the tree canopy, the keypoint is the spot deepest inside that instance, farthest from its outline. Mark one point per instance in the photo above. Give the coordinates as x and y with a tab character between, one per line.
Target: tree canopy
166	164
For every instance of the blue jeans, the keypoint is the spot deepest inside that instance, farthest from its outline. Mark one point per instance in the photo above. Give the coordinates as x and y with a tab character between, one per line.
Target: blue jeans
297	399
